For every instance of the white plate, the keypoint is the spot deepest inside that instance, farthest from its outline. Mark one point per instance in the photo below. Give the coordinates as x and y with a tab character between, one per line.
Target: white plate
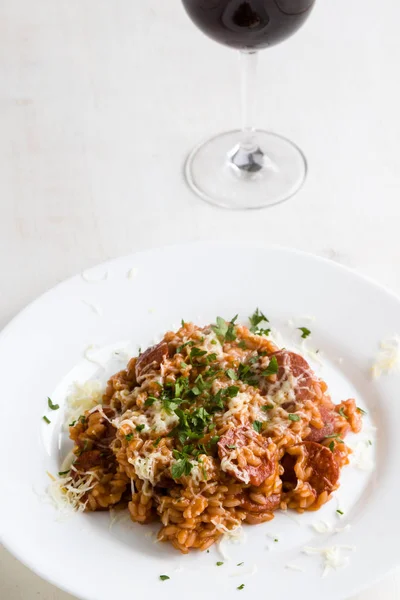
42	354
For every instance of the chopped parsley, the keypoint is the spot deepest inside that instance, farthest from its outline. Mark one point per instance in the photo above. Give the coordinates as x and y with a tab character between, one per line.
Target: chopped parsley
184	365
339	511
267	407
182	346
224	330
197	353
276	540
305	332
182	323
129	437
82	419
51	405
140	427
157	441
240	587
293	417
360	410
257	425
242	345
231	446
181	467
46	420
342	414
150	400
219	563
272	368
231	374
240	564
164	577
62	473
256	318
332	446
369	443
72	424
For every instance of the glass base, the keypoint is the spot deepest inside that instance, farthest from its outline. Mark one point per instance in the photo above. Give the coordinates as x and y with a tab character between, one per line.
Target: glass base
215	172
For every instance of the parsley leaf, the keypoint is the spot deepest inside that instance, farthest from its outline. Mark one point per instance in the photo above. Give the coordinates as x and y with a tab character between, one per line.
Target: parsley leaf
51	405
292	417
129	437
156	442
46	420
164	577
219	563
181	467
231	374
231	446
360	410
256	318
332	446
150	400
267	407
341	413
225	331
62	473
240	564
272	368
140	427
339	511
242	345
240	587
334	436
305	332
257	425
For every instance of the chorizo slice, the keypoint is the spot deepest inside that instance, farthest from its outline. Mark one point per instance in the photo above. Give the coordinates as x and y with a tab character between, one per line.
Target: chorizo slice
316	465
290	363
151	358
246	455
328	419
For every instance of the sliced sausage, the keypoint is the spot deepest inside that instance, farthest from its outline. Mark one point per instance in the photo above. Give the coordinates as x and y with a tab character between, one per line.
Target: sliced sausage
236	446
319	460
151	359
290	363
328	419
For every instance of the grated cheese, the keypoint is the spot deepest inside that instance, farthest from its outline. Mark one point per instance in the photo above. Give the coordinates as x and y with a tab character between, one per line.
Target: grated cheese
325	527
66	493
388	357
332	556
87	354
361	458
131	274
85	397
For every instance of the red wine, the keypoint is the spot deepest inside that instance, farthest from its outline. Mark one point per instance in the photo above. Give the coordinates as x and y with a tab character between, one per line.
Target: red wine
248	23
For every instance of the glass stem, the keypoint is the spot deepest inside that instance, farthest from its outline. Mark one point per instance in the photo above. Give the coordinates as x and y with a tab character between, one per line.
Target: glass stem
246	158
248	76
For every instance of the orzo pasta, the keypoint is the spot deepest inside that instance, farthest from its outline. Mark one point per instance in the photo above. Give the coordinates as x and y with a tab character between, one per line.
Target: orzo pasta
212	427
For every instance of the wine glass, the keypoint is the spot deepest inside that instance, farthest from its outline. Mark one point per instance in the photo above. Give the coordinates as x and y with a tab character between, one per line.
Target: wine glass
248	168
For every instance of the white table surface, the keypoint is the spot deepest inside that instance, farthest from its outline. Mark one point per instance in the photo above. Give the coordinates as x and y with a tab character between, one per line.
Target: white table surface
100	101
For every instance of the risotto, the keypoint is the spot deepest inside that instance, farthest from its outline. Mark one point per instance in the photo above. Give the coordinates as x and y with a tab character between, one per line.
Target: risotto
212	427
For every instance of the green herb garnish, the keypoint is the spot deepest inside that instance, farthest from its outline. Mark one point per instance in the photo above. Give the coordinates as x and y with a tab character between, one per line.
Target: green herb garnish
242	345
240	587
267	407
256	318
140	427
72	424
335	436
360	410
332	446
157	441
46	420
272	368
342	414
225	330
51	405
293	417
339	511
219	563
164	577
231	446
129	437
305	332
231	374
150	400
240	564
62	473
257	425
